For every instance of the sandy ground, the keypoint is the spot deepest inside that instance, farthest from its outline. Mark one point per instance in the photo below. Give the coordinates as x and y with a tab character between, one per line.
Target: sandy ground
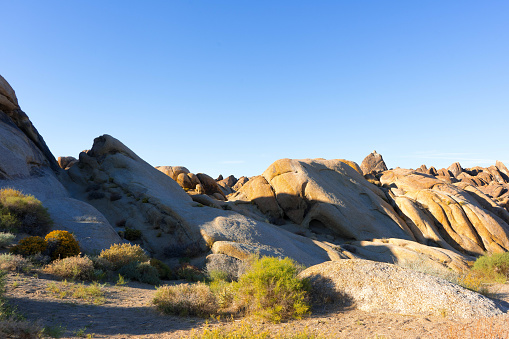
127	313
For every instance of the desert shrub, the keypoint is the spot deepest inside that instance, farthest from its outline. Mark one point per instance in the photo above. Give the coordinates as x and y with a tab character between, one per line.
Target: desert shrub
14	328
115	197
495	266
30	246
14	263
76	267
186	299
182	250
140	271
190	273
163	270
6	239
271	289
131	234
62	244
119	255
23	213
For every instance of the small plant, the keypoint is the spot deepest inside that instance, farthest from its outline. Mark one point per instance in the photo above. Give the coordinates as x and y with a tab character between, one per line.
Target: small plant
30	246
77	267
6	239
144	200
186	299
121	281
115	197
190	273
14	263
16	328
62	244
23	213
131	234
56	331
140	271
163	270
119	255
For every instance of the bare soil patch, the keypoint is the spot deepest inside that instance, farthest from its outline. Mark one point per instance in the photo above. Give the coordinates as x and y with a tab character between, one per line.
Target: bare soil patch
127	313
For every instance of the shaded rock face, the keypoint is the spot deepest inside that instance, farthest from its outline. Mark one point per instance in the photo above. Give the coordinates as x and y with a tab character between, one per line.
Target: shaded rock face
26	164
172	224
373	164
381	287
324	195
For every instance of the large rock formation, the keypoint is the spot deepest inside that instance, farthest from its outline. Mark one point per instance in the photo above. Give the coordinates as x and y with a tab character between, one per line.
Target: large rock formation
326	196
172	224
26	164
381	287
445	214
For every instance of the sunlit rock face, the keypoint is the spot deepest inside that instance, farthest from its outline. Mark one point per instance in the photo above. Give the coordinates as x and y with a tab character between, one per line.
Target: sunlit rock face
26	164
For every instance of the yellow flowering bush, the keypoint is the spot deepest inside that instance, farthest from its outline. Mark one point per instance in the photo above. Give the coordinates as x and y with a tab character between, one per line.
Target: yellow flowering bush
62	244
30	246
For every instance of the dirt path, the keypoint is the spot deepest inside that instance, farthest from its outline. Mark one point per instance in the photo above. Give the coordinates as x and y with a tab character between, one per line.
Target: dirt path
127	313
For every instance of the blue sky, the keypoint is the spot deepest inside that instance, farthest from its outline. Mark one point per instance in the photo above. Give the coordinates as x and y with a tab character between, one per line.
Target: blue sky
231	86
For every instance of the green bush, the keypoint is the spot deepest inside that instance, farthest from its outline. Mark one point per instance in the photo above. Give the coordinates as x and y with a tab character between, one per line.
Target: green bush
23	213
190	273
62	244
6	239
119	255
131	234
271	289
495	266
30	246
76	267
140	271
163	270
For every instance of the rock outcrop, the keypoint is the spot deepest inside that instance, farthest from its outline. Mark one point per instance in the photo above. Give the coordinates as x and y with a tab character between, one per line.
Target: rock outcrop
381	287
26	164
172	224
373	164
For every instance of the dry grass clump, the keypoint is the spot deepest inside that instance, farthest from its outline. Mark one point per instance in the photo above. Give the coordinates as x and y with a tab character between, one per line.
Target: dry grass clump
494	267
14	263
12	328
92	293
186	299
77	267
119	255
246	330
23	213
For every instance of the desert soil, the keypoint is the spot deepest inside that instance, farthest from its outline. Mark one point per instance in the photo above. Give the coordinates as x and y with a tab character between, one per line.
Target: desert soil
127	313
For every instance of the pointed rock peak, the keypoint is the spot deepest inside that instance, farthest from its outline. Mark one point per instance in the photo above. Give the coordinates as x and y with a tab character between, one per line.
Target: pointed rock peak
373	163
455	169
8	100
501	167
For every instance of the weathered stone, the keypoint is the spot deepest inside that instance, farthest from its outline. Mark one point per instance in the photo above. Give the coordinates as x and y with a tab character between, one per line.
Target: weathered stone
455	169
66	162
242	181
260	192
373	163
209	184
172	171
381	287
184	181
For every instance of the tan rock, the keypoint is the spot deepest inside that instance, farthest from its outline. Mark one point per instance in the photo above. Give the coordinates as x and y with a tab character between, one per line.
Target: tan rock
66	162
381	287
184	181
260	192
172	171
209	184
455	169
501	167
373	163
242	181
331	194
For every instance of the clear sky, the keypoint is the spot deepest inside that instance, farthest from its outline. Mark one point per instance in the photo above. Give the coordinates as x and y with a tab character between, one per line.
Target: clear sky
231	86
